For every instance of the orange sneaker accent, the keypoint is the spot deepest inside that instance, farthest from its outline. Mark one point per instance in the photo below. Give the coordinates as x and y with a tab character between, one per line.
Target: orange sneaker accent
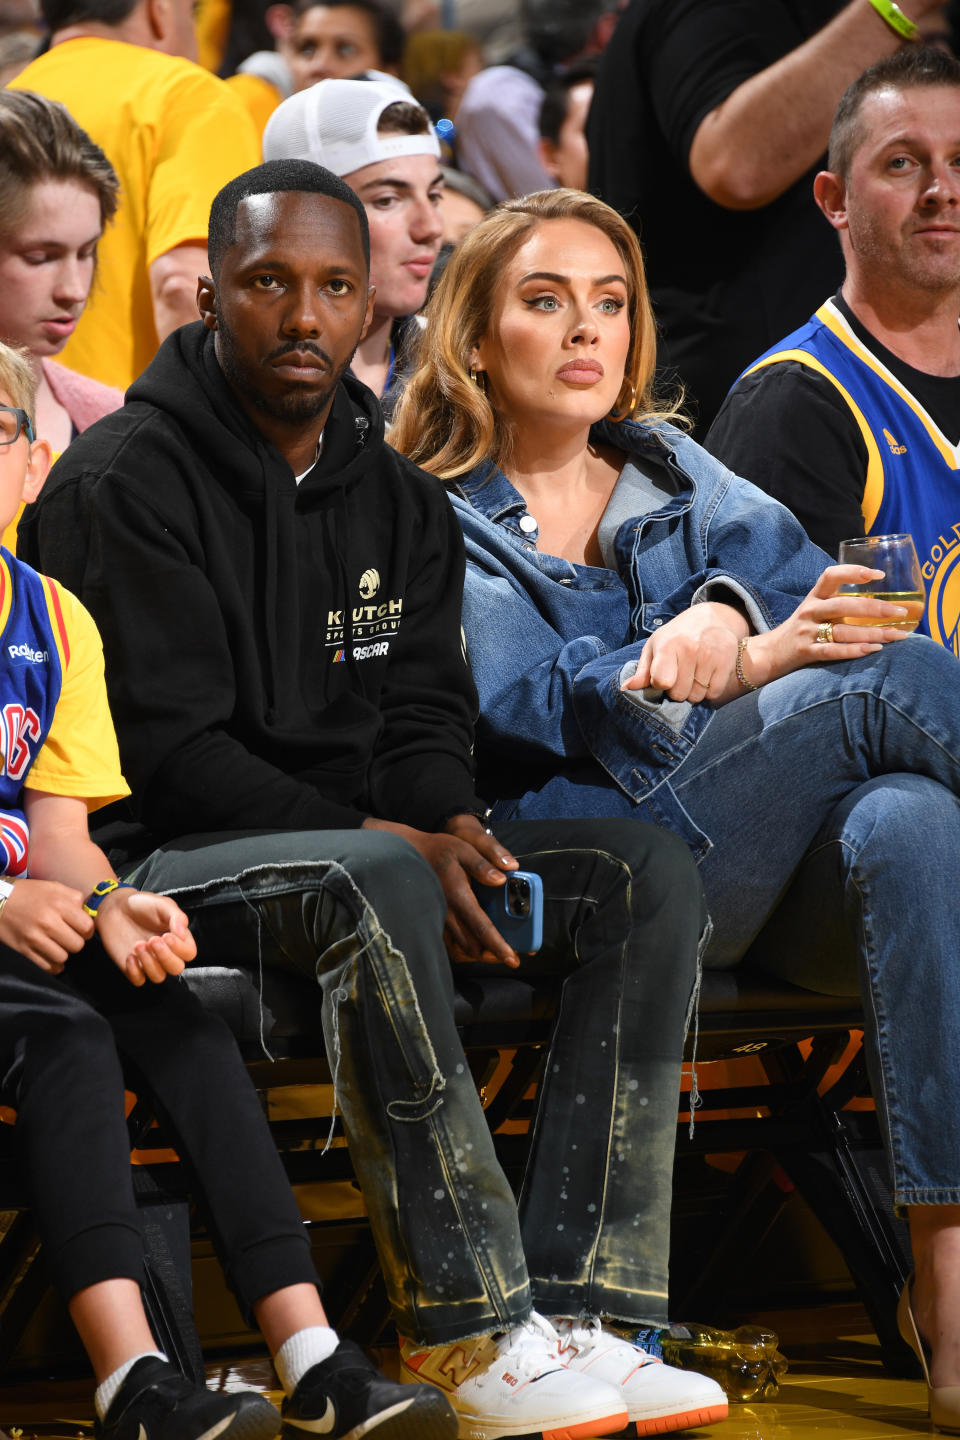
608	1426
665	1423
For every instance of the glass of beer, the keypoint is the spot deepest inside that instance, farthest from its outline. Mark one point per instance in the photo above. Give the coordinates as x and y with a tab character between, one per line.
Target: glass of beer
902	582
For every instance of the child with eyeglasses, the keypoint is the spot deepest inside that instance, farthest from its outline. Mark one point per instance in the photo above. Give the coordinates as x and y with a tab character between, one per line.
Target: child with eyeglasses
68	1016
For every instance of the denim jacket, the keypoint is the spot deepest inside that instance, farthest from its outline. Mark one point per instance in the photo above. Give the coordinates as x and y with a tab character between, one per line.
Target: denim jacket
552	642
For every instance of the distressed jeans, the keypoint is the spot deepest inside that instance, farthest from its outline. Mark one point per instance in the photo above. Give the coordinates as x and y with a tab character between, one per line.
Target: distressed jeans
361	912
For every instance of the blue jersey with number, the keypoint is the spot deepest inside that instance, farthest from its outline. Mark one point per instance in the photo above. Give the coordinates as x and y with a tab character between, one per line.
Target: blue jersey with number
35	650
912	483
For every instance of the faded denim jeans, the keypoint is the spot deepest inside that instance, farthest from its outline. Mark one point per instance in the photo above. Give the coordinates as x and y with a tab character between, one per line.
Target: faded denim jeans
831	798
834	793
363	913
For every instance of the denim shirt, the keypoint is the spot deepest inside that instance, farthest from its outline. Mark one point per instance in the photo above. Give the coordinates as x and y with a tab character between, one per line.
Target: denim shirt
552	642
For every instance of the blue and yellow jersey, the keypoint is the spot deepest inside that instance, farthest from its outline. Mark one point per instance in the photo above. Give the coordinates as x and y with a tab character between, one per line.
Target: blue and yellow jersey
55	729
912	482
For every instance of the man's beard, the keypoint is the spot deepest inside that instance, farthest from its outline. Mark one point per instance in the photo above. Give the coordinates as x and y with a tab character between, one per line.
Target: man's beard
296	406
893	257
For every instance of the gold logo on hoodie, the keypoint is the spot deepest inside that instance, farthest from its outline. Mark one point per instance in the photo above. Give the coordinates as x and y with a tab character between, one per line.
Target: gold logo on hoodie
369	626
369	583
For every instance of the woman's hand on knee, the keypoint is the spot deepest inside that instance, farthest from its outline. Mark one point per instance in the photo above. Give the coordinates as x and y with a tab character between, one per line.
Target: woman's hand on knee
855	627
693	656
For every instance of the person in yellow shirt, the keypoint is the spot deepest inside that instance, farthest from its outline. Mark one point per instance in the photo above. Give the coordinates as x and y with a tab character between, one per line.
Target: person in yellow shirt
175	135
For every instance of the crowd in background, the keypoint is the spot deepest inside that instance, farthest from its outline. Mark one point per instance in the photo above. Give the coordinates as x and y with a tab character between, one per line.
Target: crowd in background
510	87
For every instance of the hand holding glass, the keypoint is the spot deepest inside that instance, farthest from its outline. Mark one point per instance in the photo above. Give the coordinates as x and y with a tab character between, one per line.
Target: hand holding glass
902	582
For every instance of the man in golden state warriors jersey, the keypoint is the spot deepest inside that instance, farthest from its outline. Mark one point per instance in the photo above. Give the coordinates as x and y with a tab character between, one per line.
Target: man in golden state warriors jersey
853	421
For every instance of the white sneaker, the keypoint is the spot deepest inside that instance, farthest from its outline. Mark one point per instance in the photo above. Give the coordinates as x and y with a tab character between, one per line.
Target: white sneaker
658	1397
516	1385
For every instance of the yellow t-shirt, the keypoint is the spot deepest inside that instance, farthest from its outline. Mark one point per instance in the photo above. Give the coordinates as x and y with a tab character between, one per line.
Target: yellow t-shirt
79	756
175	135
212	21
258	95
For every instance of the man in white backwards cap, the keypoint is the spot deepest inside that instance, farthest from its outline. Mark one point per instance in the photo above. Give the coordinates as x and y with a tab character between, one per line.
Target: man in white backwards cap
376	137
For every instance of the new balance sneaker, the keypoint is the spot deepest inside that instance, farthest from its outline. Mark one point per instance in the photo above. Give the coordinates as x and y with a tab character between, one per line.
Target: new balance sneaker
515	1384
345	1397
658	1397
155	1402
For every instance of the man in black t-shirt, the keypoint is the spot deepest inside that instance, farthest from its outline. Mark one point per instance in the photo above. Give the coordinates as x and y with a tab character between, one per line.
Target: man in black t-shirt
853	421
709	121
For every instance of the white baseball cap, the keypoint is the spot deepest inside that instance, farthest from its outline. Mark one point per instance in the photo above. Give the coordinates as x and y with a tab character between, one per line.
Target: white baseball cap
334	123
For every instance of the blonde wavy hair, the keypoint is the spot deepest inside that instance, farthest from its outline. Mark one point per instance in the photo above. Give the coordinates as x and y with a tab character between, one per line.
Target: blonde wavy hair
17	382
444	421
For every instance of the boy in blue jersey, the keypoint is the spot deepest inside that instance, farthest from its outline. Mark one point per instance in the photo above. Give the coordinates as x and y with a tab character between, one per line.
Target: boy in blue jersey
67	1015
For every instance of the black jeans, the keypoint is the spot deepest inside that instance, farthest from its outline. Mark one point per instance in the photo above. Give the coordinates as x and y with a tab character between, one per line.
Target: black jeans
60	1043
362	912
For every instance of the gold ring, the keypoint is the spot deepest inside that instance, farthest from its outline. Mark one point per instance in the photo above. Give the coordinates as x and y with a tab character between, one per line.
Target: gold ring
825	633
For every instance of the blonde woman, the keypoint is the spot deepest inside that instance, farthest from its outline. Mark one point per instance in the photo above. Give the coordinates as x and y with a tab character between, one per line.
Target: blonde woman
652	636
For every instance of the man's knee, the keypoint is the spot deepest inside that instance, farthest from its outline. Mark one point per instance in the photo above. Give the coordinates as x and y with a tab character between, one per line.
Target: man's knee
658	861
396	881
205	872
665	863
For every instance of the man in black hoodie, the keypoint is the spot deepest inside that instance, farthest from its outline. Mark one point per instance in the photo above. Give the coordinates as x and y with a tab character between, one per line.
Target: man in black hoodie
279	597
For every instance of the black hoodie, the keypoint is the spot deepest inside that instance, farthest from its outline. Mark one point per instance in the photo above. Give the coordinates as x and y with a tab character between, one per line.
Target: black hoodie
278	657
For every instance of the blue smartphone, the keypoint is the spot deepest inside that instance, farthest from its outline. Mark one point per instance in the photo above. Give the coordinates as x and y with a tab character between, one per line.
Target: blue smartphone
516	909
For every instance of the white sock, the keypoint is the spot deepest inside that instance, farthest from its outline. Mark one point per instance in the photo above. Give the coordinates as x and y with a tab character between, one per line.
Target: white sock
303	1350
106	1393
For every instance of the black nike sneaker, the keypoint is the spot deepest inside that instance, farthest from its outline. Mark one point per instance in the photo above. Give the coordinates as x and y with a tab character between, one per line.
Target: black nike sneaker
345	1397
155	1402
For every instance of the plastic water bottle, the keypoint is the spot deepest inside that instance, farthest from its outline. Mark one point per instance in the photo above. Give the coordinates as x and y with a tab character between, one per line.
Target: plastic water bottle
745	1362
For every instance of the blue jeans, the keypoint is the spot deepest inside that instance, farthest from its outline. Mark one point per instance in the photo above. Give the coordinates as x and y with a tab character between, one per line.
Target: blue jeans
830	799
362	913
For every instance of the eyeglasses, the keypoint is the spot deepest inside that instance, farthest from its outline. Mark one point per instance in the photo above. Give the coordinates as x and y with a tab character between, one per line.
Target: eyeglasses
13	421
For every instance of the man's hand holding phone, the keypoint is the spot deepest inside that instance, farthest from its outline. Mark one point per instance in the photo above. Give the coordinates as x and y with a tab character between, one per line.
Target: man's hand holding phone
462	853
517	910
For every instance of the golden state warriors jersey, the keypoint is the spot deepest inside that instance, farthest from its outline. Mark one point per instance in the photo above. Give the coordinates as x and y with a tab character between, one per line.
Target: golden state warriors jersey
35	649
912	482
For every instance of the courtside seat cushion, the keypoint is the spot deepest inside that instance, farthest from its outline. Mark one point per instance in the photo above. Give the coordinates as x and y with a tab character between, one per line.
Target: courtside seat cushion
509	1006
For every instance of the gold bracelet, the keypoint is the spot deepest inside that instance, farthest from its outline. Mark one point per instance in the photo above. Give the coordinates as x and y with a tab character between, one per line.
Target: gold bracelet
741	646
